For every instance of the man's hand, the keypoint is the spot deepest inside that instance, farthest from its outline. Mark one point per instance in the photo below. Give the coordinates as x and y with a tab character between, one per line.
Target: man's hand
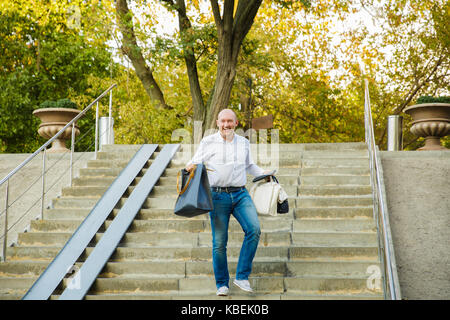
267	172
190	167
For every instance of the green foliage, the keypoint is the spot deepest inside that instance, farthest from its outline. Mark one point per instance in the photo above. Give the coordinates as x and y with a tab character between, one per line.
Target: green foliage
61	103
430	99
41	59
309	82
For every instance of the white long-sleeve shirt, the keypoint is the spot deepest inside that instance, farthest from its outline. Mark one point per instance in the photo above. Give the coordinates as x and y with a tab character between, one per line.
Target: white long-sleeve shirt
227	162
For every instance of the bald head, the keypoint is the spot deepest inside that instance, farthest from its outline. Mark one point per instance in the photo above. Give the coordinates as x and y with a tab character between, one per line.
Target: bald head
227	113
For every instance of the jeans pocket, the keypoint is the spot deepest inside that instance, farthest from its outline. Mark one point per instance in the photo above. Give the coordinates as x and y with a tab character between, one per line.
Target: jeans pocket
216	195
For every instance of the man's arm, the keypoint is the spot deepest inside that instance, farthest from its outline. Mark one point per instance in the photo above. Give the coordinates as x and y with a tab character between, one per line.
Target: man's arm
198	157
252	167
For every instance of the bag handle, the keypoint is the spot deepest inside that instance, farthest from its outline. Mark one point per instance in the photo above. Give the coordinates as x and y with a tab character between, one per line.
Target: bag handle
191	175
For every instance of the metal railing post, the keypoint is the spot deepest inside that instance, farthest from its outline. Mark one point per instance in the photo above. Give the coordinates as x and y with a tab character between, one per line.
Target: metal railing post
110	118
96	131
72	149
5	231
44	153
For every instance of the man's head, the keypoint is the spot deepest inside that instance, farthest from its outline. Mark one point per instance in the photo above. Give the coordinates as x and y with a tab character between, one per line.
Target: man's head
227	122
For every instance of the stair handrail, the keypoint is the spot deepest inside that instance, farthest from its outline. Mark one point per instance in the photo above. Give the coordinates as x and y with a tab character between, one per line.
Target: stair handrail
385	239
43	149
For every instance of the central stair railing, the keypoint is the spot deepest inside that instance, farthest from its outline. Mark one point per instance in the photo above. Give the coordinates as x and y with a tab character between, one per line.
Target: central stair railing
64	262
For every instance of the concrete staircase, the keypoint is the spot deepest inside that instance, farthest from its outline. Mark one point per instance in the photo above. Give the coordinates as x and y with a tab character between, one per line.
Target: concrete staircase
324	248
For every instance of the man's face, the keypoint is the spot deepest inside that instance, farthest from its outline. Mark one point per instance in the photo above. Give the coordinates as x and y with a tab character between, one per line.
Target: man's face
227	122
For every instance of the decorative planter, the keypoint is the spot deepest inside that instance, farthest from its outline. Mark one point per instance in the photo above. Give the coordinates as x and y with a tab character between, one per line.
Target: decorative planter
431	121
53	120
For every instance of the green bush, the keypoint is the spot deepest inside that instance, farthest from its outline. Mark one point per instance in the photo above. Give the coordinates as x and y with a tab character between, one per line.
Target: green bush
430	99
61	103
66	103
48	104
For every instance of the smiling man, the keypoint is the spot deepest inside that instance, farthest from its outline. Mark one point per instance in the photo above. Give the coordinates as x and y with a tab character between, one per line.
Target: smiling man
227	158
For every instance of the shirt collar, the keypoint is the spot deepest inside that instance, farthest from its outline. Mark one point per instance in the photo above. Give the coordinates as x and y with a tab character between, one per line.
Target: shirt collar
219	137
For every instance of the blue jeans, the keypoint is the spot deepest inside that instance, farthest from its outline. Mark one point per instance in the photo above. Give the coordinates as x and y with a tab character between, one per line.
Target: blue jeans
241	206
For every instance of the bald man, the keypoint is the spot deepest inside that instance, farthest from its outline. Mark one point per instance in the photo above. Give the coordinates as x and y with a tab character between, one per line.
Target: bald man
228	159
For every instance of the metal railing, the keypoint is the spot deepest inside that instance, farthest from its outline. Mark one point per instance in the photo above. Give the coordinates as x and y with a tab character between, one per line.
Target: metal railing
43	149
391	284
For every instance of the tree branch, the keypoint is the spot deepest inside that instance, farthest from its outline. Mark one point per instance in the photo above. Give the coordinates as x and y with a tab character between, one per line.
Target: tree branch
217	17
191	63
411	94
131	49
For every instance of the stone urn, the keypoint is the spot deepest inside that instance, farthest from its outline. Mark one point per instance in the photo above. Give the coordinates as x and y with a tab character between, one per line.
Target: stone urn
53	120
431	121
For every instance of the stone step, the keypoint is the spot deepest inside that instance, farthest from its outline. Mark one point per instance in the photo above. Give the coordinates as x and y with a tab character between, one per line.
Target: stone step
236	296
206	285
66	213
337	201
334	238
324	213
22	268
121	147
84	191
331	284
334	225
16	285
154	225
111	163
75	203
315	190
355	154
156	213
100	172
124	155
239	296
334	162
259	269
321	171
204	239
284	253
179	224
93	181
335	180
342	146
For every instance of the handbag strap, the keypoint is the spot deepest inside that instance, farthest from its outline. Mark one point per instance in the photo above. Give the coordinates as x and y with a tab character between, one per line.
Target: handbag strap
191	175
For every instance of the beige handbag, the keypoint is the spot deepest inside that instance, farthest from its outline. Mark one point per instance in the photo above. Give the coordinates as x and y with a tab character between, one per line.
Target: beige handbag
266	196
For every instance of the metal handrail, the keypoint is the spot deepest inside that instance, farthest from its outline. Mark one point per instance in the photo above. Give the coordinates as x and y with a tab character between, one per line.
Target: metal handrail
45	145
43	149
385	240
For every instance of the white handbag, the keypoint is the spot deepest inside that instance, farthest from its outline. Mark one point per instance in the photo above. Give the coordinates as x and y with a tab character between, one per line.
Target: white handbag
266	196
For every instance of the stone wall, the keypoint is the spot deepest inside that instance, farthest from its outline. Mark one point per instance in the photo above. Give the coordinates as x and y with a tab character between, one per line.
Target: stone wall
29	179
417	187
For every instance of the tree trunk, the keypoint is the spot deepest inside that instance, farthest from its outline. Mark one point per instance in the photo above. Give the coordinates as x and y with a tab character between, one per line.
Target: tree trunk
132	50
232	27
191	64
226	72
